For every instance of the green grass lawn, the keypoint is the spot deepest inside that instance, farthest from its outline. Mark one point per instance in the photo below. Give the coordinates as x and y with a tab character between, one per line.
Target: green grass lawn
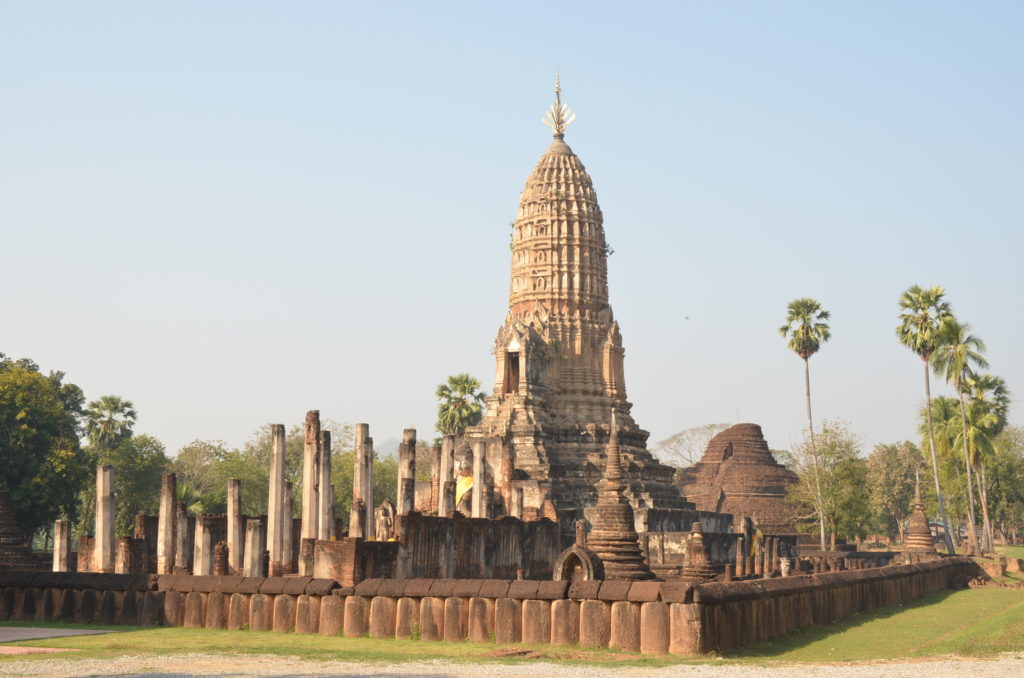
978	622
1011	551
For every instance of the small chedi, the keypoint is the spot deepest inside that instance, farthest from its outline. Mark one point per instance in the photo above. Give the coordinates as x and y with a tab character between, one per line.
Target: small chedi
698	566
739	475
919	540
613	538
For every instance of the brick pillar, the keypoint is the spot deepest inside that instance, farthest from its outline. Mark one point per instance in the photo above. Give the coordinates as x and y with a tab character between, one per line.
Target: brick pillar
103	556
310	476
479	510
61	545
741	557
406	491
255	544
235	527
165	541
276	516
325	521
221	556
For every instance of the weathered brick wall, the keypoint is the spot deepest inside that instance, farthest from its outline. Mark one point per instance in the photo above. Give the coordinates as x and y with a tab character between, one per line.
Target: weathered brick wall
475	548
649	617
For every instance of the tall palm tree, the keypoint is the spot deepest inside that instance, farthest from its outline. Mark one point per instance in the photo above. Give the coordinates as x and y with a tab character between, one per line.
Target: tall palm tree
957	350
109	421
807	329
991	400
460	404
922	313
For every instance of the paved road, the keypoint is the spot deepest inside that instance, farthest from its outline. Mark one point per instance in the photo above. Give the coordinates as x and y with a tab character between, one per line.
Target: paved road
11	634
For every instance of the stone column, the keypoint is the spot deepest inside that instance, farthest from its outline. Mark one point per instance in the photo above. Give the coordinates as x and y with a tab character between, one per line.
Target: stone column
741	557
479	510
369	523
287	523
516	510
435	479
202	561
766	567
361	523
255	545
775	555
61	545
275	502
326	518
165	542
448	499
406	491
447	462
182	562
235	527
103	557
310	476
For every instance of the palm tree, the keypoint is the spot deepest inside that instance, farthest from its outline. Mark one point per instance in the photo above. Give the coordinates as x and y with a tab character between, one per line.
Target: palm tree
460	404
807	329
109	421
922	312
991	398
955	353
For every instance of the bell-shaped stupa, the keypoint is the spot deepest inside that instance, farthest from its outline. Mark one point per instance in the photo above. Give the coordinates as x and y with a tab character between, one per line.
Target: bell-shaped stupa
739	475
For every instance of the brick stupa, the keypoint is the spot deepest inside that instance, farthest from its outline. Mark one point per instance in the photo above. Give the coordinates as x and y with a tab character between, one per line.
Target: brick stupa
613	537
559	353
739	475
919	534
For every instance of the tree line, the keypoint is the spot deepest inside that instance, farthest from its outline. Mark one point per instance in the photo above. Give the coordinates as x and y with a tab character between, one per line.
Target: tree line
977	462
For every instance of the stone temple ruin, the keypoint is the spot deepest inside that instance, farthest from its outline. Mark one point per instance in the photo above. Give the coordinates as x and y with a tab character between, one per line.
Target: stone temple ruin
550	522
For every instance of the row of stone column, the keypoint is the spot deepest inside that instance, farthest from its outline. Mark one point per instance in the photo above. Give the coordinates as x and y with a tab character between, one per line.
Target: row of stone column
765	562
318	520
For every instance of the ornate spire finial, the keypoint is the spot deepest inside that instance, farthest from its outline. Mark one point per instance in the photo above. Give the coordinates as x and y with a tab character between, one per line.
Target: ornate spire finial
613	467
559	115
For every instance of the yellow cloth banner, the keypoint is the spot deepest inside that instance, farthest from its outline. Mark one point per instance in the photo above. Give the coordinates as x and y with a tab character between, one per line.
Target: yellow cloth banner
463	485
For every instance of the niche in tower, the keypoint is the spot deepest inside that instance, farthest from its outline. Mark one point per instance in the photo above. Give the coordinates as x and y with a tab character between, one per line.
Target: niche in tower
511	384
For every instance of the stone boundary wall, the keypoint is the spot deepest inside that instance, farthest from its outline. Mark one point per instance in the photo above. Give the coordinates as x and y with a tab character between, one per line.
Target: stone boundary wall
649	617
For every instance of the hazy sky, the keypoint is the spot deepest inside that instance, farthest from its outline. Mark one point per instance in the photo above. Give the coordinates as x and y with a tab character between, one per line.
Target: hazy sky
233	212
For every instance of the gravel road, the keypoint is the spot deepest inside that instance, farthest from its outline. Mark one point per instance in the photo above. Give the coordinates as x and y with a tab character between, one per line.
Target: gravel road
227	666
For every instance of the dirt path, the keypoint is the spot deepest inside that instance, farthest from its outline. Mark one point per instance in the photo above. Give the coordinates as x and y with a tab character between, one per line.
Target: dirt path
239	666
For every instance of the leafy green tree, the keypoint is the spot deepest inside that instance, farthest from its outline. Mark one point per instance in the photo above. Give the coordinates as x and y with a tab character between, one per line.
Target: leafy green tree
42	465
991	395
956	353
139	462
109	421
1006	483
922	311
890	483
807	329
834	466
460	404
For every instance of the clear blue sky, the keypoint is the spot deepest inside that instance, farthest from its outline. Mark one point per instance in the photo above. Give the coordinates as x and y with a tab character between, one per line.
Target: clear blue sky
233	212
